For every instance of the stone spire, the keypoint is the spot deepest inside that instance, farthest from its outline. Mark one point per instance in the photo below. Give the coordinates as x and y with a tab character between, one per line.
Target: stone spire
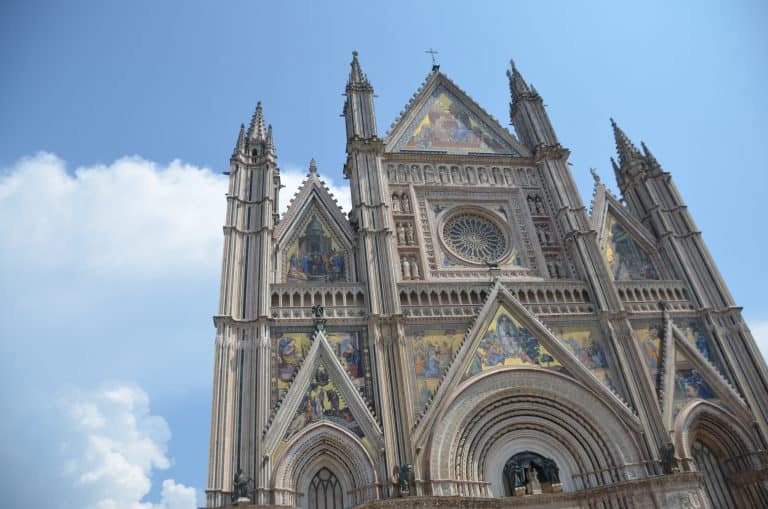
257	131
517	85
624	147
356	76
653	164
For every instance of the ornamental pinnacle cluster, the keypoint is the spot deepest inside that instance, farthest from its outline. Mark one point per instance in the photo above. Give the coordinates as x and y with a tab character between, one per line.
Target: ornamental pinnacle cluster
469	334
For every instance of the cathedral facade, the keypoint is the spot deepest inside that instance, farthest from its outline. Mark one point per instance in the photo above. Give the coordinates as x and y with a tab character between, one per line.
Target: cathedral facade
470	334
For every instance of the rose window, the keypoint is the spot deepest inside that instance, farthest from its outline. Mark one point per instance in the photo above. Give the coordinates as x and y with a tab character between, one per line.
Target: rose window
474	238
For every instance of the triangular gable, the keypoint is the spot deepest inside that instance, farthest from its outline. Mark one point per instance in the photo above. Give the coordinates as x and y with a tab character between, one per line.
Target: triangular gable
321	374
323	401
314	238
506	342
441	118
626	244
313	191
546	352
695	378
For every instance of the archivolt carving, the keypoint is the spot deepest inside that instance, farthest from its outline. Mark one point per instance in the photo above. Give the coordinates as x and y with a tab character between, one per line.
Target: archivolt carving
539	409
325	444
720	429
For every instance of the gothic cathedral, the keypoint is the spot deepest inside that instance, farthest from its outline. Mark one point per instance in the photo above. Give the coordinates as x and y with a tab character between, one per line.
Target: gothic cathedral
470	334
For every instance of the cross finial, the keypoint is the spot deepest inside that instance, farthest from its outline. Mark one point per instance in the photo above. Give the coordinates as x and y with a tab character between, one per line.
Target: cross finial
432	53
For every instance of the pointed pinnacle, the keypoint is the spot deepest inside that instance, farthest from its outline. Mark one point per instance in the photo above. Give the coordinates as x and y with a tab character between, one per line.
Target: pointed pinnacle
240	145
313	167
256	129
648	155
624	147
356	75
270	141
517	84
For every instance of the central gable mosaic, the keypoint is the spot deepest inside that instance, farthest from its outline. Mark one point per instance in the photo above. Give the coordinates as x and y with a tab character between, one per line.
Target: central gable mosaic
444	124
507	342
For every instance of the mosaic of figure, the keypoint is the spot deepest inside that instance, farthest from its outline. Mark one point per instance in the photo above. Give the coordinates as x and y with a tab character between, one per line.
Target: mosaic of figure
314	256
433	350
323	401
649	335
586	342
507	343
626	259
446	125
697	335
689	384
292	348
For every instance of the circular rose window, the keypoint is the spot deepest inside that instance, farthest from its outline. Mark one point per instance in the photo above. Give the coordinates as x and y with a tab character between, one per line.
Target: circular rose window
474	238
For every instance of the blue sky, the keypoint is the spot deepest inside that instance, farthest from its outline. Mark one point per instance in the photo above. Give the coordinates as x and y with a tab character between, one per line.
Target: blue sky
116	119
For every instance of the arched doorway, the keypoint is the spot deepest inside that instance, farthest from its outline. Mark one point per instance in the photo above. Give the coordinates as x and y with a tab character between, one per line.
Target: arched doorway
715	483
325	491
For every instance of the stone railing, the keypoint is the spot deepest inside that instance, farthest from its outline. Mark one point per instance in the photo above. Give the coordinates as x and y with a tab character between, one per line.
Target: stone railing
342	300
644	296
465	299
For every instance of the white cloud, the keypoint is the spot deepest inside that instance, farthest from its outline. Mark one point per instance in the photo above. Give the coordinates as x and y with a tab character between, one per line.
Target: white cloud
760	333
292	179
114	447
132	216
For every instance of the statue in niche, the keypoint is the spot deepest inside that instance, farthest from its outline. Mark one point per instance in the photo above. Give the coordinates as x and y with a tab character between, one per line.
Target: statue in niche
400	233
482	175
414	268
429	175
409	239
534	486
416	173
404	474
406	266
395	203
391	173
405	203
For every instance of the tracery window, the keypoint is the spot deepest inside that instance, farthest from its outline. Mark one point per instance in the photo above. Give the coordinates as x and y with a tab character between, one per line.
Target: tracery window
325	491
528	473
474	238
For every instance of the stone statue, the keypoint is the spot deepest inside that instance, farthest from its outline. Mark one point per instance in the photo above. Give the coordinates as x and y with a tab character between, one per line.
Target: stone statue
241	482
551	472
400	233
404	473
318	311
406	267
409	234
414	269
668	460
534	486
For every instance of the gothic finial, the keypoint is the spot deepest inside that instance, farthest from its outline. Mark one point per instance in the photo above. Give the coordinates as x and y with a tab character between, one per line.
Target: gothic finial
616	171
270	141
517	84
240	145
624	147
595	176
356	75
313	167
649	156
256	130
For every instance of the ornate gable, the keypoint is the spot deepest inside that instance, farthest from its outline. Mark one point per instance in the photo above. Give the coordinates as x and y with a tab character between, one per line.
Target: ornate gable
506	335
443	119
314	239
321	390
626	244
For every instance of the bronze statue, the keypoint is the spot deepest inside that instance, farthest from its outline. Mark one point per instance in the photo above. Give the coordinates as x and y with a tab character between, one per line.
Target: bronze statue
241	482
